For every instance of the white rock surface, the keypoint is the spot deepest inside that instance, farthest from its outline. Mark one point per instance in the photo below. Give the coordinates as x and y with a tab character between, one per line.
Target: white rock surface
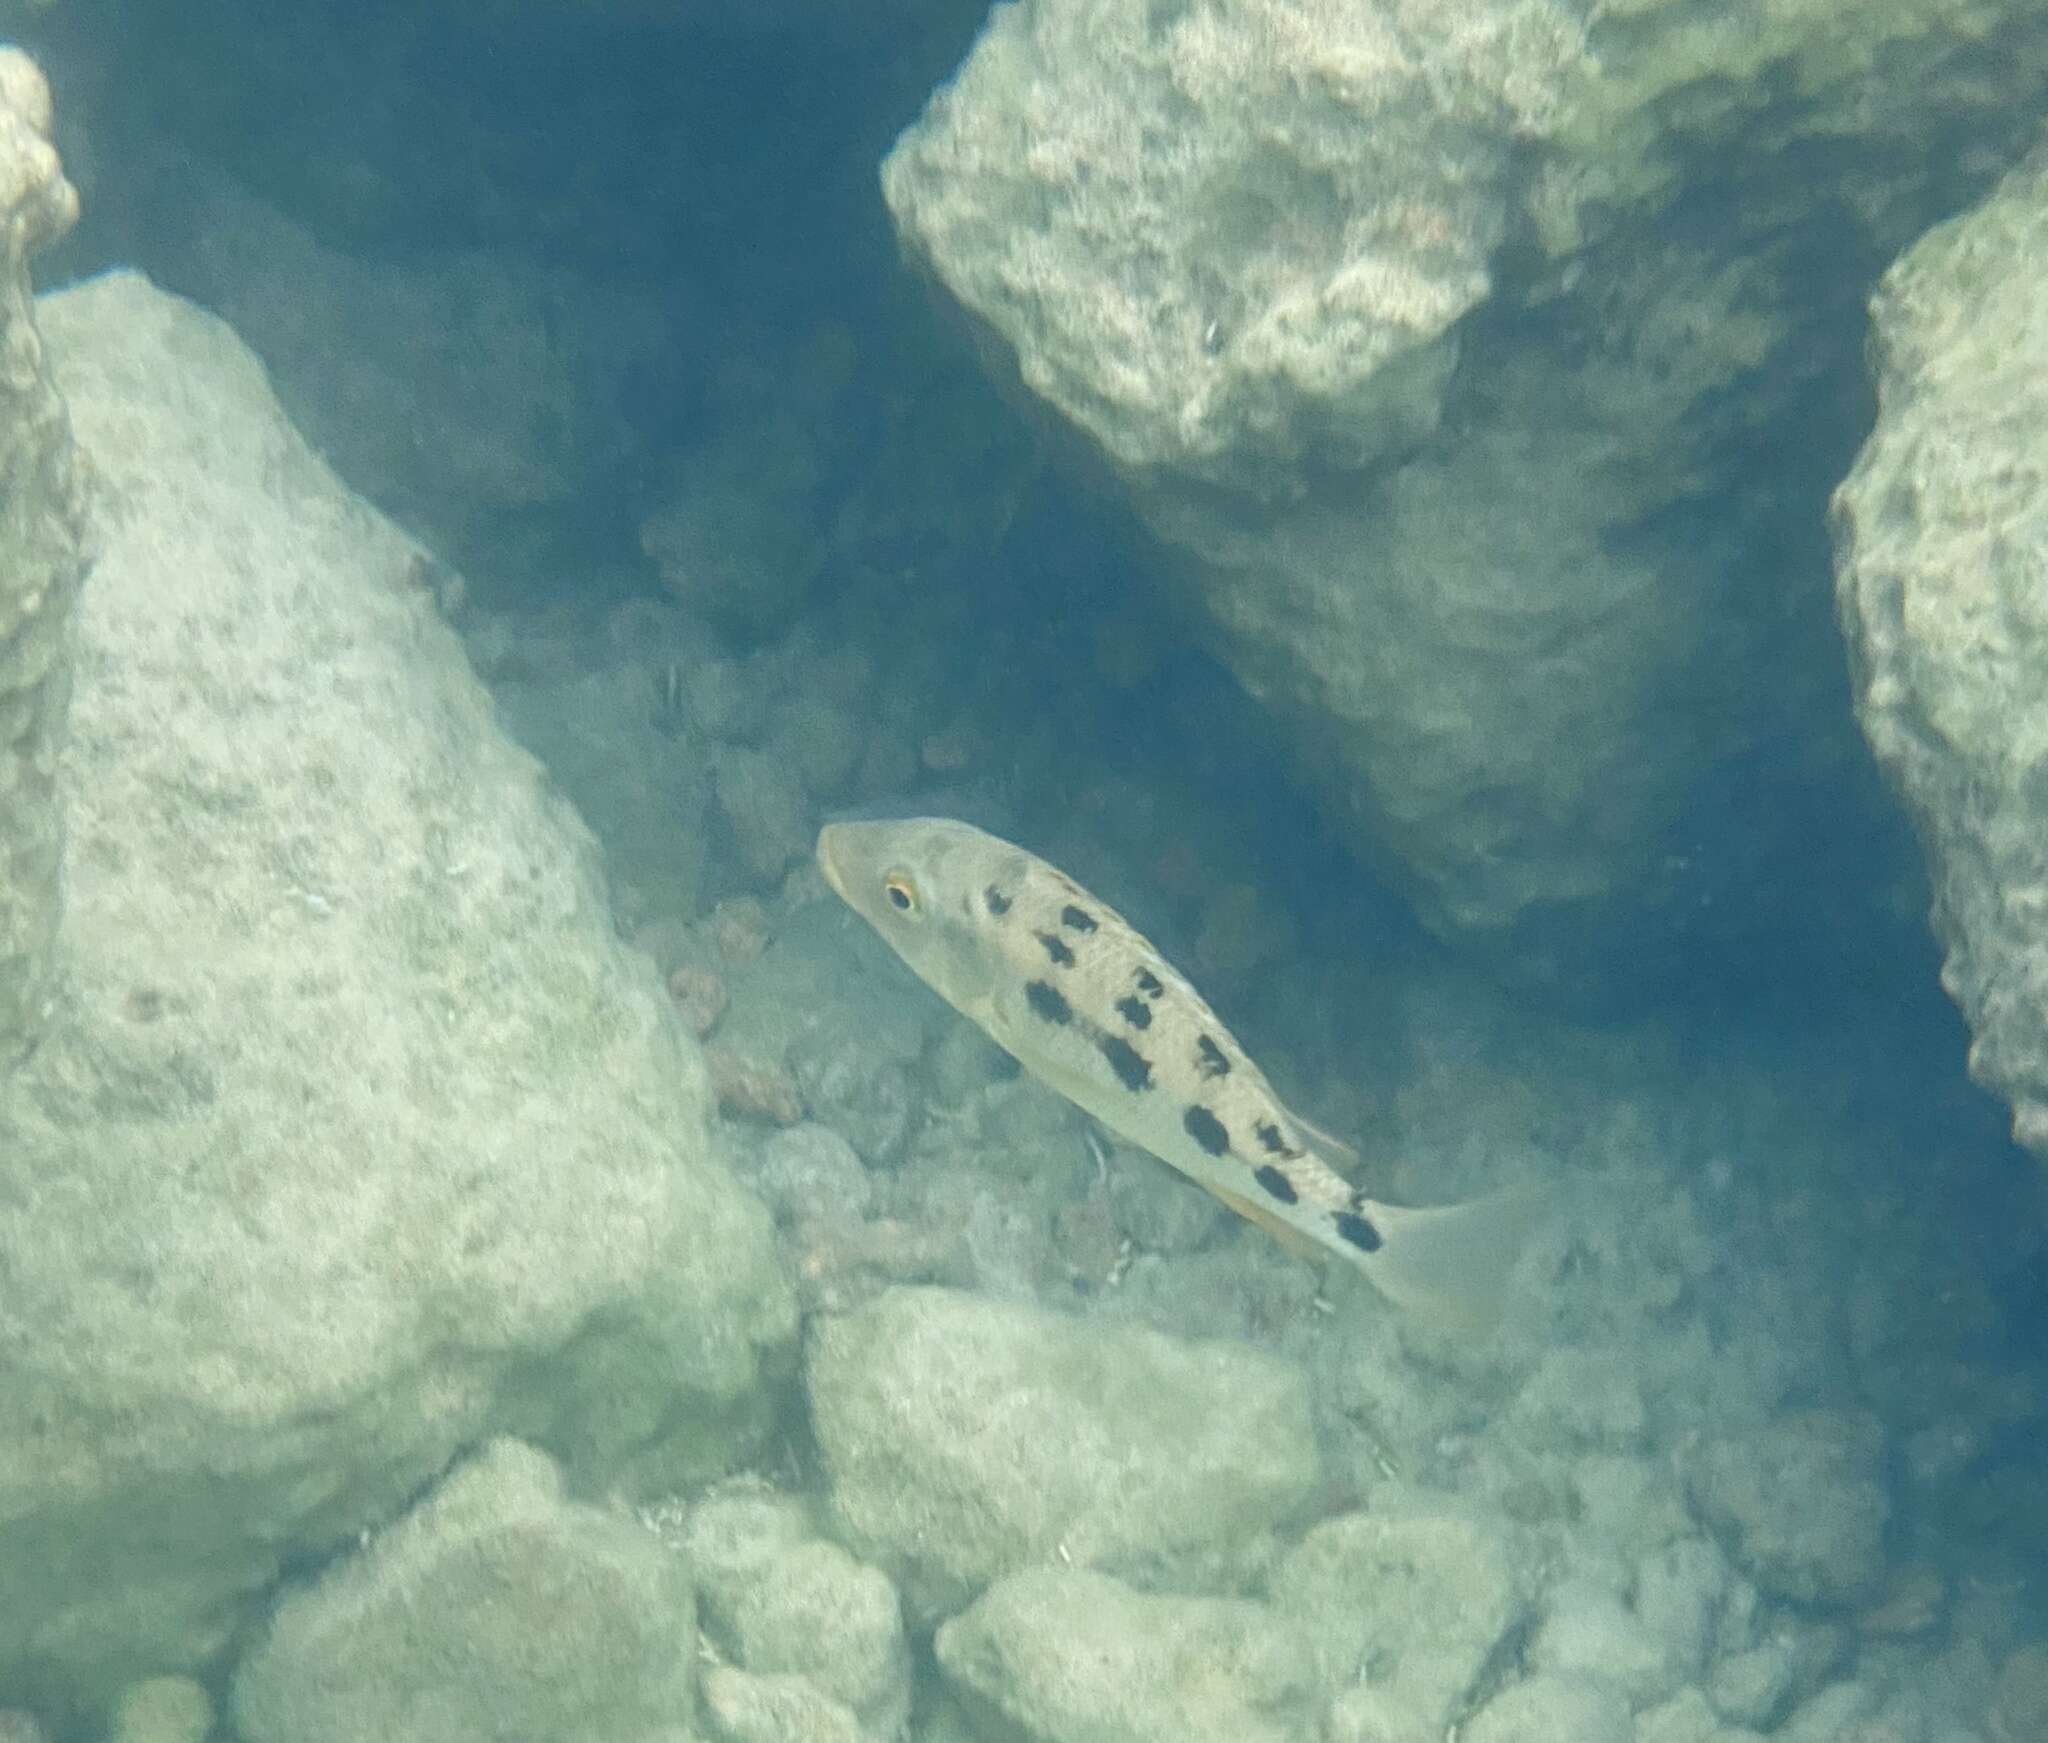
1941	575
359	1136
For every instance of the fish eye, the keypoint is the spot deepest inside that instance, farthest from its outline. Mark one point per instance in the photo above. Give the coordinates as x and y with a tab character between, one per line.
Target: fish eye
902	893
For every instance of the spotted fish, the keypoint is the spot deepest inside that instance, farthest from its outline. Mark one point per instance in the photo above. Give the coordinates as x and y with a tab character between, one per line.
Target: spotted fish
1088	1006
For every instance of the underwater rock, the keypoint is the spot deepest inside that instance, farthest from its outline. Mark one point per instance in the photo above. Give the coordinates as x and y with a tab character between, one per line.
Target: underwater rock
742	536
1549	1709
1800	1504
730	1537
1229	293
162	1709
2019	1704
1382	317
361	1135
763	803
1589	1634
499	1608
810	1171
455	387
812	1626
963	1438
811	1610
743	1708
1066	1655
1939	550
42	561
1424	1594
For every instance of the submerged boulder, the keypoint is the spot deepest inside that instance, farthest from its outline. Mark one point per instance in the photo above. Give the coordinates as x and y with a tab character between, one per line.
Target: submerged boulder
357	1136
498	1608
1941	575
1070	1656
964	1438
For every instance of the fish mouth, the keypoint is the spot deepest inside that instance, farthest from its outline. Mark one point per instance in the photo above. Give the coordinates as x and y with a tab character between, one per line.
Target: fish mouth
827	851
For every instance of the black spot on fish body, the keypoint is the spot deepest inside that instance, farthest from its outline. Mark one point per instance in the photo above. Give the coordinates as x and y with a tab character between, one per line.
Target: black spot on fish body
1209	1060
1360	1233
1134	1011
1047	1002
1056	948
1079	919
1275	1141
998	903
1206	1130
1150	984
1133	1071
1275	1182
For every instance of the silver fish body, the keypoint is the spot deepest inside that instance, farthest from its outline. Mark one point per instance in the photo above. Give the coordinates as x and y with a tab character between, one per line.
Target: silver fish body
1091	1008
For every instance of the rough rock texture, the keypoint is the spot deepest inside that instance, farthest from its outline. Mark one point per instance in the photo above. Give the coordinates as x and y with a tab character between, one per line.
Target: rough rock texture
1551	1710
742	1708
1425	1598
1801	1504
817	1613
1069	1656
1229	244
1942	581
359	1135
42	559
1385	318
497	1609
964	1438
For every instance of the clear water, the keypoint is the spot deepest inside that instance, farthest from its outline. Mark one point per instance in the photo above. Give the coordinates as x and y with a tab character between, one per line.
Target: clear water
529	281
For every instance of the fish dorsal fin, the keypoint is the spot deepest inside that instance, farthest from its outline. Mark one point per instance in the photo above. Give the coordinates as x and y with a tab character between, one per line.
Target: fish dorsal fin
1330	1148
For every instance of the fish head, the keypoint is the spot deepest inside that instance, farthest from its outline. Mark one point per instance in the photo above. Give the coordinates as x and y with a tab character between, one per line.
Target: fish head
917	881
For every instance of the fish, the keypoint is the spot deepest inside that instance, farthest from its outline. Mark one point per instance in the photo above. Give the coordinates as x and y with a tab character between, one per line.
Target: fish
1092	1009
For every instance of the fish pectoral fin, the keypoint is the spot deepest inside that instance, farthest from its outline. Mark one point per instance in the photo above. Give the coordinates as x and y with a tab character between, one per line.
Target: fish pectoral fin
1301	1246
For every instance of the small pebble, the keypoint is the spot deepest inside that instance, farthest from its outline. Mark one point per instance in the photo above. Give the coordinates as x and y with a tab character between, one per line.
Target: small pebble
699	996
1912	1604
740	927
755	1089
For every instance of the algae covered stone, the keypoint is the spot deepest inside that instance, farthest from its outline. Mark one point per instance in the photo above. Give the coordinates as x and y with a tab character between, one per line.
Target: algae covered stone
964	1438
498	1609
1072	1656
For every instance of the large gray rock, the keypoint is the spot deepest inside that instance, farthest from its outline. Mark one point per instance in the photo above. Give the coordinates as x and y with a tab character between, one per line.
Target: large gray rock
1942	579
1378	312
498	1609
964	1438
42	557
358	1136
1070	1656
1229	244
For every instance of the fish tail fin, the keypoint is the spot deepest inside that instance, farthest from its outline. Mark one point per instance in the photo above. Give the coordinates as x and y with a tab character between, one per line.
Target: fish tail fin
1450	1263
